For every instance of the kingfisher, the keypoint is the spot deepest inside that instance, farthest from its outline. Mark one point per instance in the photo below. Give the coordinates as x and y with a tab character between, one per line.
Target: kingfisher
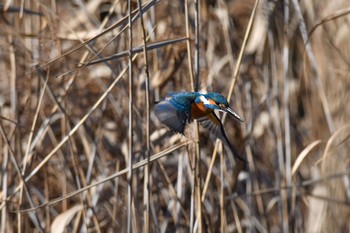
179	108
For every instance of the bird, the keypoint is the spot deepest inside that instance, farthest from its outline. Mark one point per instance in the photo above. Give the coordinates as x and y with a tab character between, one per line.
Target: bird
180	108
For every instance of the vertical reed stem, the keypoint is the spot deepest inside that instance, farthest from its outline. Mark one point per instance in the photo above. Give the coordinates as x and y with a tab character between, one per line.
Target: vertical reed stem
131	82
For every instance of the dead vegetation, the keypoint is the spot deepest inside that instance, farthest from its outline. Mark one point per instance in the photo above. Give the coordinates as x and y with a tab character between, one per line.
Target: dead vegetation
67	115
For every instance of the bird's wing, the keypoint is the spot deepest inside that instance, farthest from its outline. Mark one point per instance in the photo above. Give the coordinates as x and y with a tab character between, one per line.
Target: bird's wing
170	116
215	127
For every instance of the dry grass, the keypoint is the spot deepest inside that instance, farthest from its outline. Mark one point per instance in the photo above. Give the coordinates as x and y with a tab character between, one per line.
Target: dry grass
67	115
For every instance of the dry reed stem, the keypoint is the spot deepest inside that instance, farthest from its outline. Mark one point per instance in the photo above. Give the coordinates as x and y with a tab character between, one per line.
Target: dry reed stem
72	131
130	217
112	177
286	178
234	78
147	185
303	155
197	157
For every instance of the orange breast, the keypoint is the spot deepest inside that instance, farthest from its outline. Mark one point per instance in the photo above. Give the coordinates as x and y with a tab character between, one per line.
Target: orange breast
198	111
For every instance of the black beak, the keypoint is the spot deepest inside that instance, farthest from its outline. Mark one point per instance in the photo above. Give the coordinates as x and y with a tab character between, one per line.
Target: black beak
233	113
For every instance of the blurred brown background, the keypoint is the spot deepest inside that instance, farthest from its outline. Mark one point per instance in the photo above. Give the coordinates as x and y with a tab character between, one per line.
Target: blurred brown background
292	89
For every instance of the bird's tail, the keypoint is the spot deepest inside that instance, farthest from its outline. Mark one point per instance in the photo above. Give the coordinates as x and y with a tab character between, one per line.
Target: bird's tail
233	149
214	125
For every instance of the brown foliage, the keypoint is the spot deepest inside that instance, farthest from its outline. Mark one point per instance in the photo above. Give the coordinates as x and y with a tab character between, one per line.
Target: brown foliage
65	122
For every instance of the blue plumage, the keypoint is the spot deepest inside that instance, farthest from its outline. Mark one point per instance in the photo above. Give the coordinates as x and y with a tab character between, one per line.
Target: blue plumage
179	108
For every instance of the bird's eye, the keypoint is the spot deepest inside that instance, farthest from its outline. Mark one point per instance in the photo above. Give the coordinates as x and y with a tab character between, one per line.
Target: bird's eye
222	105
